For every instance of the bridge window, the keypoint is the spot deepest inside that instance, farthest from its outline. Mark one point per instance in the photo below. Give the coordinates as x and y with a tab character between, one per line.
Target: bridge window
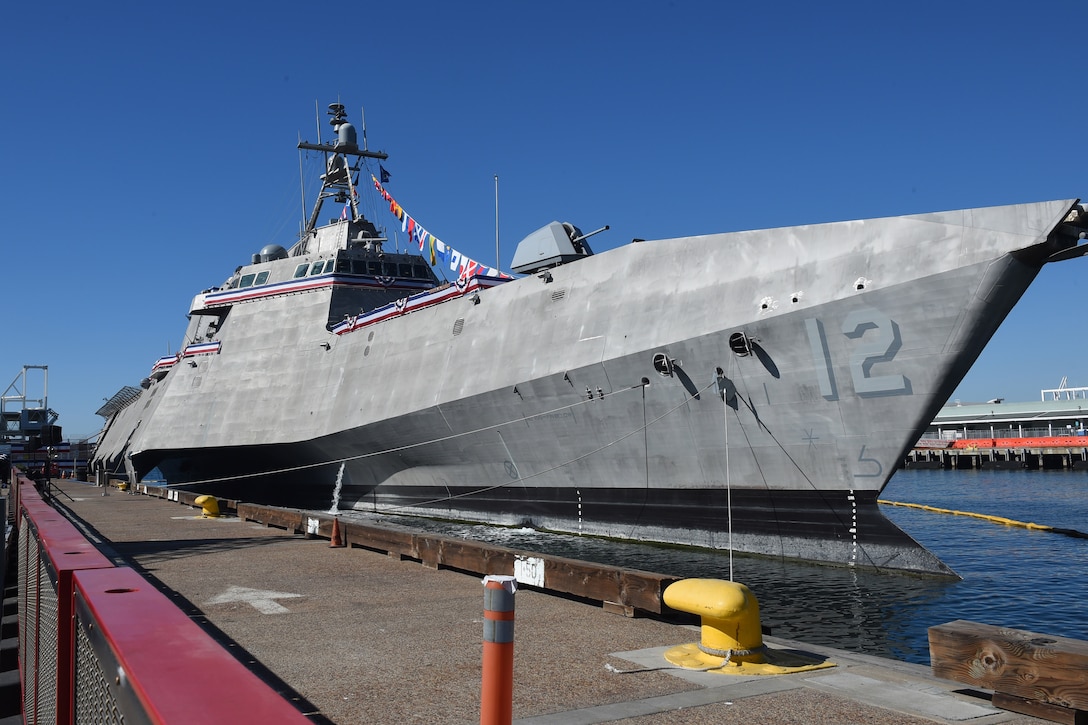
343	265
247	280
261	278
330	265
318	267
300	271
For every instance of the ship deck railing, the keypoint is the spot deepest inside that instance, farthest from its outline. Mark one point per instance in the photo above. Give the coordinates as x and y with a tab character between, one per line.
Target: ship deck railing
950	435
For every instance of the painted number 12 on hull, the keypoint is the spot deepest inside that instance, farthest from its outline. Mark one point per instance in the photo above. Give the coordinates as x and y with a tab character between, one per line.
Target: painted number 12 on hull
876	340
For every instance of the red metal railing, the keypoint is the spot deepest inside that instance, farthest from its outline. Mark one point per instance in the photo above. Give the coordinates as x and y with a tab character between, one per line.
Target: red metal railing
98	643
50	550
1035	442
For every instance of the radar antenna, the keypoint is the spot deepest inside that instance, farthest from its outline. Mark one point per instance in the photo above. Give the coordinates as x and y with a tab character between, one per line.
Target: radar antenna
337	182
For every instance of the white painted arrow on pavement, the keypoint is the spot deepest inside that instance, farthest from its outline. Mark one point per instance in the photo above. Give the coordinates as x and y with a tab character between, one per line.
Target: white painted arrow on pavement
261	600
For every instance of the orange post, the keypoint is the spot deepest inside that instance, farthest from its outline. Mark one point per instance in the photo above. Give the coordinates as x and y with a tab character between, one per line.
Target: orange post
497	693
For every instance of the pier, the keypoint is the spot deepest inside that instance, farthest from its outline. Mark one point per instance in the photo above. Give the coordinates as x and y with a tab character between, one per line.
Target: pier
1036	453
388	627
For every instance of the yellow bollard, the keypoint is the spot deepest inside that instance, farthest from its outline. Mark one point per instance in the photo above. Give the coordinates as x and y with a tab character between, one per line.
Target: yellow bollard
729	615
210	506
731	635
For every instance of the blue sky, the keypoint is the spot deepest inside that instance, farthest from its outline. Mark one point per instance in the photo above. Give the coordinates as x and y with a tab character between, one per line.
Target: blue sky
149	147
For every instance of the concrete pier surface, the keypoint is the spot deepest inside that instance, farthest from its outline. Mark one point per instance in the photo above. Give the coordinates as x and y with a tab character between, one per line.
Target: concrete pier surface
356	636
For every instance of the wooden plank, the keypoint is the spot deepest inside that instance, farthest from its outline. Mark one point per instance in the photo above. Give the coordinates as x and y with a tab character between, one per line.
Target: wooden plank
499	561
462	554
643	589
624	610
429	550
1042	710
476	557
392	541
624	589
280	518
593	581
1034	666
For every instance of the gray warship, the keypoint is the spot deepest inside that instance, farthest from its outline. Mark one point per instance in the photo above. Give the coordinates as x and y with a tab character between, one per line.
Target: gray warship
752	390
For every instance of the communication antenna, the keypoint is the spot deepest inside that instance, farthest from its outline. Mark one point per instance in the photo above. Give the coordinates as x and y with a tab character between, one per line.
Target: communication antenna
302	185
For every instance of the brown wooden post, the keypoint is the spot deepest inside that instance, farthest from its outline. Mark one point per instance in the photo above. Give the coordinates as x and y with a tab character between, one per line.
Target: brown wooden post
1017	665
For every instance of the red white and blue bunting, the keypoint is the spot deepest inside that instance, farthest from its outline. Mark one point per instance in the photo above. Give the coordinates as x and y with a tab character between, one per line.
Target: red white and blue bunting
440	253
163	364
416	302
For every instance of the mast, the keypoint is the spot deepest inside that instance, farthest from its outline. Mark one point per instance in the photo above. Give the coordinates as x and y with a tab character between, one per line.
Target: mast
362	122
302	185
337	181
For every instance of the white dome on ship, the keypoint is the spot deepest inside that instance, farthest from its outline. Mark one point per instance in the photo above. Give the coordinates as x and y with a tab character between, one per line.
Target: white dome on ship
270	252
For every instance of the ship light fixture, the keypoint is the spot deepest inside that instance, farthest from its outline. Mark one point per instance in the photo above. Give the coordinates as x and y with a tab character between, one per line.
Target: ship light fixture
326	345
547	277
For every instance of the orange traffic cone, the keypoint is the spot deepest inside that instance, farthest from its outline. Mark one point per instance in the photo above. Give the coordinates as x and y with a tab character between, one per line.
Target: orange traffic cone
336	542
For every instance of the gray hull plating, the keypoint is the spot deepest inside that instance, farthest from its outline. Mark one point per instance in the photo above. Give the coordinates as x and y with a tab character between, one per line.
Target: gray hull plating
854	334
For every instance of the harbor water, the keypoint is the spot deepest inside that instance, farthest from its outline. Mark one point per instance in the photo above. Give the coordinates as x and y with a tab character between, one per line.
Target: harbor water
1014	577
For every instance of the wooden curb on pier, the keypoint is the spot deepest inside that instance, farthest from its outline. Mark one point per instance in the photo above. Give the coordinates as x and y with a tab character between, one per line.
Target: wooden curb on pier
1033	674
621	591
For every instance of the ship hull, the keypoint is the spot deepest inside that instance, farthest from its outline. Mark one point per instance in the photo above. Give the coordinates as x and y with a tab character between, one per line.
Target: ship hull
835	527
765	382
